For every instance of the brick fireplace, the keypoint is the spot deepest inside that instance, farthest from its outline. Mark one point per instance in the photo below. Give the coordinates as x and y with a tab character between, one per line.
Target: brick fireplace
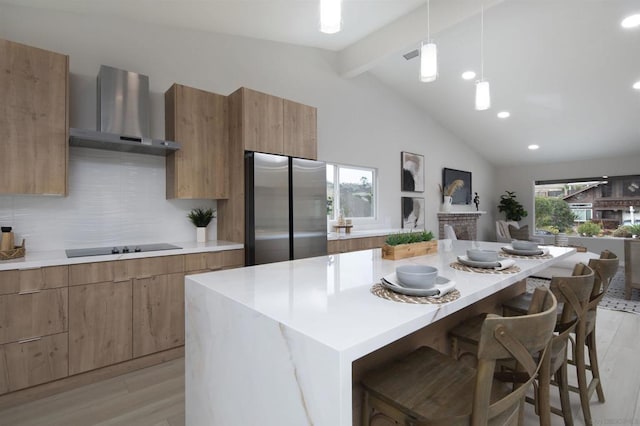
465	224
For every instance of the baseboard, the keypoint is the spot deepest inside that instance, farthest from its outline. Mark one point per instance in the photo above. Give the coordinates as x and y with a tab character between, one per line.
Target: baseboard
47	389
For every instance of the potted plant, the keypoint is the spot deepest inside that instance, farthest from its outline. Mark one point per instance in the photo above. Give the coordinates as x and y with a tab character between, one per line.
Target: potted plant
447	193
513	210
201	219
409	244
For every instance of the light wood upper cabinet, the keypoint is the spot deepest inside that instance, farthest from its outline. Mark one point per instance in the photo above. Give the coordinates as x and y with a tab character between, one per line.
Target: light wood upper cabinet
266	123
100	325
34	121
197	120
300	130
262	122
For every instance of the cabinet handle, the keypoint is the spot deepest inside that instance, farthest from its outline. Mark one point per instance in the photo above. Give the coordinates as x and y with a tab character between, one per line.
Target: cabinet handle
29	292
33	339
144	277
30	269
122	281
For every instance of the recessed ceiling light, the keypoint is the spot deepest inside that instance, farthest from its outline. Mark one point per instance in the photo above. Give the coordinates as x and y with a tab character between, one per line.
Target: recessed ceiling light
631	21
533	147
504	114
605	177
636	85
468	75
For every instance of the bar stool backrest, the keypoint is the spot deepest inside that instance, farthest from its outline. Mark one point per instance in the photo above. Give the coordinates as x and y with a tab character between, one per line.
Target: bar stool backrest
511	337
605	268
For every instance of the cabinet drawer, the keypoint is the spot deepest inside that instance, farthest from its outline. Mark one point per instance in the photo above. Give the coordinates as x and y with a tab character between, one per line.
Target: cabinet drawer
33	362
148	267
24	280
87	273
233	259
212	261
23	316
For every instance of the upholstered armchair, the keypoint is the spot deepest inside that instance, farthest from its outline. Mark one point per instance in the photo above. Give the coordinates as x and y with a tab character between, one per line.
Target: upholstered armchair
502	231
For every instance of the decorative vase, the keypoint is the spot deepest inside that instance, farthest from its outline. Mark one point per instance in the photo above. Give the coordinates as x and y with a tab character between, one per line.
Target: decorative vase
562	240
201	234
446	205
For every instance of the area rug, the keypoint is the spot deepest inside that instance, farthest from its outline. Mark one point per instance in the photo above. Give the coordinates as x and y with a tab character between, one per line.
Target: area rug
613	299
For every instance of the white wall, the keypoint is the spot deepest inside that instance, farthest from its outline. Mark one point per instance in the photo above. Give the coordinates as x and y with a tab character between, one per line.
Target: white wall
360	121
521	179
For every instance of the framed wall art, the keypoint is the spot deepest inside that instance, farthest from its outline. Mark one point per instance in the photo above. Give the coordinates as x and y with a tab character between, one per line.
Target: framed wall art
462	195
413	213
412	172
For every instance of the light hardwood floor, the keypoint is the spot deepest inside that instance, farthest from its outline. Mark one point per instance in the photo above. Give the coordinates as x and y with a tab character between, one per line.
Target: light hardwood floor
155	396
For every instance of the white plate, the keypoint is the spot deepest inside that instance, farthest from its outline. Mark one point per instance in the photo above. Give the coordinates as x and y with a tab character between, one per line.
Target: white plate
511	250
391	282
477	264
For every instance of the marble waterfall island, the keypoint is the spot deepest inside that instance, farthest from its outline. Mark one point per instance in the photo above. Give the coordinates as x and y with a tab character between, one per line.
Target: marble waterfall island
279	344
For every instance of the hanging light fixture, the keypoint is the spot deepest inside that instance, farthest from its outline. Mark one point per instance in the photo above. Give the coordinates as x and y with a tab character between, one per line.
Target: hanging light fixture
483	94
330	16
428	56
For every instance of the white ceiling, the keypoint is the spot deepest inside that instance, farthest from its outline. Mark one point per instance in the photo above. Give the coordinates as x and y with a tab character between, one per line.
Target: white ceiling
564	69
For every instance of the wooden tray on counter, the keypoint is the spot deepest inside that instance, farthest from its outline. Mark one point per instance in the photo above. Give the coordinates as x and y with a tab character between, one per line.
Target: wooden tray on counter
16	253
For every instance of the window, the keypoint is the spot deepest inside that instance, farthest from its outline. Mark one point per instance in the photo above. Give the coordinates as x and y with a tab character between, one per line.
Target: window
581	211
350	189
608	201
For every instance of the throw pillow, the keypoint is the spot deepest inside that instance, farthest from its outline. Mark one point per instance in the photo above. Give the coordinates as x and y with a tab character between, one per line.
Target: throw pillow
519	233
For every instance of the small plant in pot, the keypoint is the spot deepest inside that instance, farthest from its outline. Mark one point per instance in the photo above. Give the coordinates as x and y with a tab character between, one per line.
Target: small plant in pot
201	219
513	210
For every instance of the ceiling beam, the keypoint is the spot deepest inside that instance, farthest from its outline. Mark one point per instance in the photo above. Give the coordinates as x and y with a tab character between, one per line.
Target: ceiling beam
405	33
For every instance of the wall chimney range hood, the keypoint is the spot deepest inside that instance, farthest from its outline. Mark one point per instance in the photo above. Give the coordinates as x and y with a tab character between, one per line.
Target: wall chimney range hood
123	116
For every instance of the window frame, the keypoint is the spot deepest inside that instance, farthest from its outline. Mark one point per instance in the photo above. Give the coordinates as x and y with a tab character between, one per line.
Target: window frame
336	192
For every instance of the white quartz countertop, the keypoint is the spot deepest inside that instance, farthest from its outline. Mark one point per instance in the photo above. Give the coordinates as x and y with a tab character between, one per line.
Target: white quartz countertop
328	298
36	259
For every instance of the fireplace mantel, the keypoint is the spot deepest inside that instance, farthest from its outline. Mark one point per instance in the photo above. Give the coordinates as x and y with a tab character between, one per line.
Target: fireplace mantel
464	224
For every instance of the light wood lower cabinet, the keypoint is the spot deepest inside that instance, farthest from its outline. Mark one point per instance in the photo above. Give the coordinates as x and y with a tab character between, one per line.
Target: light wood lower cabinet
65	320
31	362
158	313
100	325
24	316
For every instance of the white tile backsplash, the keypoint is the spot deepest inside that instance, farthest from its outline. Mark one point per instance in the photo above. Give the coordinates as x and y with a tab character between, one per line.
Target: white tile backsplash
114	198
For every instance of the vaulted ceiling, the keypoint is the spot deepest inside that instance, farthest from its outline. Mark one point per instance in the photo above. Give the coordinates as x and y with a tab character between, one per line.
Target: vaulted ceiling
563	69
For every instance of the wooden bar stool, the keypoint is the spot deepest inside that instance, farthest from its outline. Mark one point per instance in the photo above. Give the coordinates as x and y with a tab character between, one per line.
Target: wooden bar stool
430	388
573	294
605	268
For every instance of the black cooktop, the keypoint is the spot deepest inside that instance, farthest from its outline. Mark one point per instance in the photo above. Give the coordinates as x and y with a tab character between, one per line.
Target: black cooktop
133	248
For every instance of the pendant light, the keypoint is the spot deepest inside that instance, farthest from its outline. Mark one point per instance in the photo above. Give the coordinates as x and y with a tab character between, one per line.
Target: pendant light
483	95
428	56
330	16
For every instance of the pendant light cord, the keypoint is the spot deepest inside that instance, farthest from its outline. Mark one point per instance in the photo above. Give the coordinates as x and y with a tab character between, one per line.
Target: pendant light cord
482	42
428	23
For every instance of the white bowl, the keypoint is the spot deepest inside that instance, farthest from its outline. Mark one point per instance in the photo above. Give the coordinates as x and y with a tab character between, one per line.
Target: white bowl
524	245
482	255
417	276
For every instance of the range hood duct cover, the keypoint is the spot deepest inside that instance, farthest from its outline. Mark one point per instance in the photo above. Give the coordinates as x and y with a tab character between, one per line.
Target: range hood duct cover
123	116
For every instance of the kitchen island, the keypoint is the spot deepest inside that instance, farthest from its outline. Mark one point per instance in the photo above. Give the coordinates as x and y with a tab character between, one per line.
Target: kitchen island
280	344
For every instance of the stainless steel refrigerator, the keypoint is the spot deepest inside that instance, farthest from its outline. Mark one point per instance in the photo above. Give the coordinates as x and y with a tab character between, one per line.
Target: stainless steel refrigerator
286	208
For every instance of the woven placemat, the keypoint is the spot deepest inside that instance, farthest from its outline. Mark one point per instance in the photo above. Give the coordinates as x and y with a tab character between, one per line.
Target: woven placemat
518	256
384	293
460	267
